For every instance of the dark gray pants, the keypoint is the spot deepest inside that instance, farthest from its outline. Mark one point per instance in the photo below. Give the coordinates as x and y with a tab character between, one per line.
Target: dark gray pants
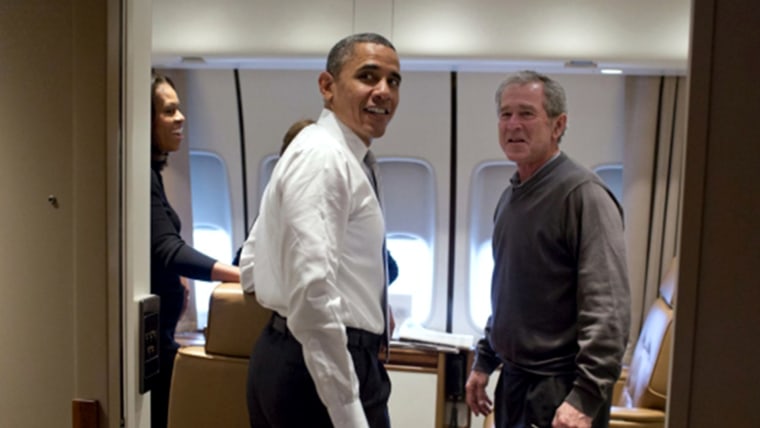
528	400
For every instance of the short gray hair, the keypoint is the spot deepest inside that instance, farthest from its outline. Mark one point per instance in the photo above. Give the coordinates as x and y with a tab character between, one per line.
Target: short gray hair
555	102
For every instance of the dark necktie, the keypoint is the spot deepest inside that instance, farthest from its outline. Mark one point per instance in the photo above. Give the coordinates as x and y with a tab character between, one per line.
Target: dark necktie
374	178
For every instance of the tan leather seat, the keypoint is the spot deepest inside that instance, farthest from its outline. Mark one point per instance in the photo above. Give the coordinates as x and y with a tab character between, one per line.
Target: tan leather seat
644	395
208	383
641	401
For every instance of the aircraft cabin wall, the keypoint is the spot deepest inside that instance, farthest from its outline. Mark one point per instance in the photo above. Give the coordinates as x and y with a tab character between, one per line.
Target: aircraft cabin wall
416	164
644	35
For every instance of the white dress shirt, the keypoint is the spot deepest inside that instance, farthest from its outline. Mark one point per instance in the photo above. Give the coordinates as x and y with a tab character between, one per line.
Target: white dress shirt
318	247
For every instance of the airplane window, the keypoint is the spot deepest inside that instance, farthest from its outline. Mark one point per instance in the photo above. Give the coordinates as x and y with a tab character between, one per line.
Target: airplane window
212	218
489	180
409	201
480	284
612	175
414	257
216	243
265	172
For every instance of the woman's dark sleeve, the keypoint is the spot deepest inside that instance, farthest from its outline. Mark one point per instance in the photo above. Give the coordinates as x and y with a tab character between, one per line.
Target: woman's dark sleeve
168	249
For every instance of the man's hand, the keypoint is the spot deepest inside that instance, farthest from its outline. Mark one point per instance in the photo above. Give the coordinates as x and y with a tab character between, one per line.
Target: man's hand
568	416
477	398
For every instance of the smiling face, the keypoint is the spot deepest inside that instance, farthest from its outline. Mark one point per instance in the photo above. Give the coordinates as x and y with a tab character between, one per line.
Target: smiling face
168	119
365	93
527	135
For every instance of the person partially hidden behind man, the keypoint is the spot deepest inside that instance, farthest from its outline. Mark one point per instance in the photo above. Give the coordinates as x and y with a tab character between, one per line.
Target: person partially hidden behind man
316	256
560	299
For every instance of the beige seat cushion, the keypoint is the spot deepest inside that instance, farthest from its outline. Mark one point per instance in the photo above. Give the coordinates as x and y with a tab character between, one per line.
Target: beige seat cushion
208	391
647	384
209	383
235	320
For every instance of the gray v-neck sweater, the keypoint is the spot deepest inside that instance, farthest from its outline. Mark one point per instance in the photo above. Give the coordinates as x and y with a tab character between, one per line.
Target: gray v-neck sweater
560	297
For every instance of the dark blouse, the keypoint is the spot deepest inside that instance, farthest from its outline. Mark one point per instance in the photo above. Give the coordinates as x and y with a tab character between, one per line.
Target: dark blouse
171	258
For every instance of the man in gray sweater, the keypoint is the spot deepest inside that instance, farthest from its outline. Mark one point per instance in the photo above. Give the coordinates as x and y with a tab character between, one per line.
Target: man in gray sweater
560	298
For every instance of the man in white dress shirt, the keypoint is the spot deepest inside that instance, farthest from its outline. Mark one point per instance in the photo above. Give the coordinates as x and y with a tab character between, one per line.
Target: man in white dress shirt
318	246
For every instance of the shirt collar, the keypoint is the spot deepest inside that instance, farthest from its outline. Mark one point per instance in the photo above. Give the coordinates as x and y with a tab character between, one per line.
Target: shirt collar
515	180
336	128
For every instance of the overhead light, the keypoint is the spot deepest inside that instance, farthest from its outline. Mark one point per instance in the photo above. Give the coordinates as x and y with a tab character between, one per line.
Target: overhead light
193	60
611	71
580	63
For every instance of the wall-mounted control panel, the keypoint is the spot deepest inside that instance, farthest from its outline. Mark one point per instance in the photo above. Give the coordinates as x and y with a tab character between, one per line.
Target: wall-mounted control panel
149	341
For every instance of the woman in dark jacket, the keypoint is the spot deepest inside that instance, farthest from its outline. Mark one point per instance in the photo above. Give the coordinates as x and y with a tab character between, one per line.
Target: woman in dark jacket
171	257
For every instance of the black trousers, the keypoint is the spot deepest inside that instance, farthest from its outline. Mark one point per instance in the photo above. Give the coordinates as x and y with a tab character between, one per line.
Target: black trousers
528	400
281	392
159	394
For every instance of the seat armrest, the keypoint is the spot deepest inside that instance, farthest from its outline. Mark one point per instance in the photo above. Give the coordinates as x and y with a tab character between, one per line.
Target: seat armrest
637	414
617	389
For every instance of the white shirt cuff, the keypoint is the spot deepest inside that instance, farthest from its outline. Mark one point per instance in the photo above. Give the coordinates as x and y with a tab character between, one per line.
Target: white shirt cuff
349	415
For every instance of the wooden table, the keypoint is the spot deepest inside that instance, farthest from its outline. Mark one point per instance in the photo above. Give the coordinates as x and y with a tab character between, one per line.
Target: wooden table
429	361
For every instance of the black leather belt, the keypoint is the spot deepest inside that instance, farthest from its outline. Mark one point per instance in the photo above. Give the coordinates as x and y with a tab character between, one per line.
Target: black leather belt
356	338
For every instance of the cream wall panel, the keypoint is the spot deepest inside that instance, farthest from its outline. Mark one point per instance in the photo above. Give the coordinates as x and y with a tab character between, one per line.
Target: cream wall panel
272	101
212	125
648	33
242	28
374	16
412	401
642	95
673	219
610	31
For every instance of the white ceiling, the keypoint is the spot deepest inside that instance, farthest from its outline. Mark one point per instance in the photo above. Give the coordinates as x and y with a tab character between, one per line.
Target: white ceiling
638	36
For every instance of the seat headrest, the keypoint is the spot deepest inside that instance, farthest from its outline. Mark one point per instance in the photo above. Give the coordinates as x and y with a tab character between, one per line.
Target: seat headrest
235	320
669	283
